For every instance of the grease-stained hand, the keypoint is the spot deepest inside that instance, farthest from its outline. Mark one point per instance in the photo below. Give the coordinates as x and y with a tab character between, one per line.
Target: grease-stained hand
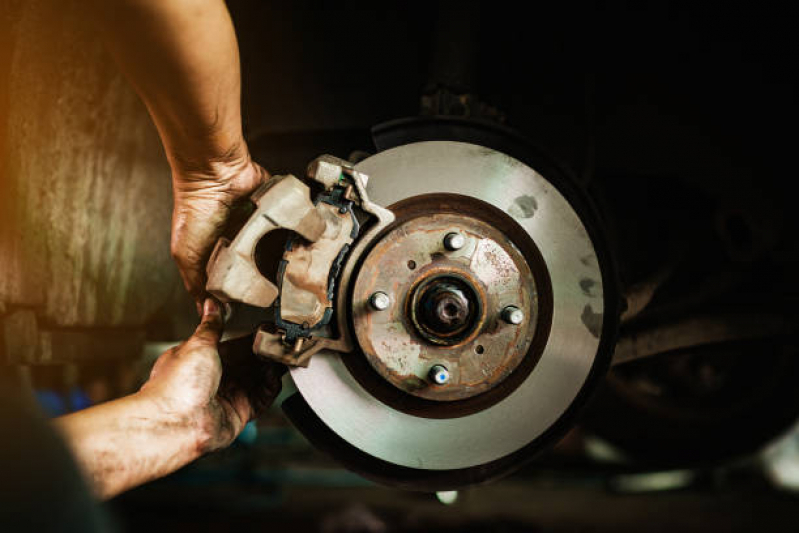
204	199
212	389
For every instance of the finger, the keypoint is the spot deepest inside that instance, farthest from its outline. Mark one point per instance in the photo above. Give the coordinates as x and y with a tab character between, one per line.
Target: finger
195	229
248	179
262	398
194	278
210	329
240	404
194	282
264	175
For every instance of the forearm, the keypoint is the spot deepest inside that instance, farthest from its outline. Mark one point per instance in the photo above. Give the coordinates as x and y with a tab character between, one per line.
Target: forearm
183	59
126	442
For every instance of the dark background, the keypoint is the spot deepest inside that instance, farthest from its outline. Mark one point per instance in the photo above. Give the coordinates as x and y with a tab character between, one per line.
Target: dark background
678	120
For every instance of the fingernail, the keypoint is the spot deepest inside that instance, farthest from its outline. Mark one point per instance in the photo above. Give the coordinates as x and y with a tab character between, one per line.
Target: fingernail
210	307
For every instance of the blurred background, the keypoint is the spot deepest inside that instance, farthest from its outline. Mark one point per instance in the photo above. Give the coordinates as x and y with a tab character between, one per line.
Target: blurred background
677	118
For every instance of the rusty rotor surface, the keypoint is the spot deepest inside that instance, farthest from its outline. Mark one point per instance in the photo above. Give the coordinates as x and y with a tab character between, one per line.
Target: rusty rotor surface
465	291
544	393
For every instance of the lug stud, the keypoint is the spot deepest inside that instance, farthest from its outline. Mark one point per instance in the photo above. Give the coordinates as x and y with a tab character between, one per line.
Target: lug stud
439	374
454	241
513	315
379	301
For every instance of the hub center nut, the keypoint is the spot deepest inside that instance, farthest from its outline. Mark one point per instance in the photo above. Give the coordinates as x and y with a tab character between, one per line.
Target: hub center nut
445	309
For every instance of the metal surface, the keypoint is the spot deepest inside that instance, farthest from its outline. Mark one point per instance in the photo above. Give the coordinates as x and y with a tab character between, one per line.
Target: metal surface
454	241
379	301
304	291
446	305
513	315
703	330
311	266
439	374
343	404
282	202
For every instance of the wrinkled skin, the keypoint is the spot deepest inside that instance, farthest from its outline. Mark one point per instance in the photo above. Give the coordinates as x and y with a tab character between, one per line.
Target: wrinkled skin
204	200
182	58
216	388
199	397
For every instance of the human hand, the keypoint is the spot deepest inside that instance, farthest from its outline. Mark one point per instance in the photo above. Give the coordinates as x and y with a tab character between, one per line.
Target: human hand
205	199
211	395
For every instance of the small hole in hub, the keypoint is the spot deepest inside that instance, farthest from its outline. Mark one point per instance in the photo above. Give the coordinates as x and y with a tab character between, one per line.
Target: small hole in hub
411	264
479	349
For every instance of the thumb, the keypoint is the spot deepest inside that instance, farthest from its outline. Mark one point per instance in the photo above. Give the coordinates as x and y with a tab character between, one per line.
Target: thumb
210	329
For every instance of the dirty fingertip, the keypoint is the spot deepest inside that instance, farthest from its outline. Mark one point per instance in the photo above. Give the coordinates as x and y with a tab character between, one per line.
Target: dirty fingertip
211	308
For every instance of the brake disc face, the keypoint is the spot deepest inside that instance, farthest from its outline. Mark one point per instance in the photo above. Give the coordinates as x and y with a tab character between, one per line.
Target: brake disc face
441	318
506	385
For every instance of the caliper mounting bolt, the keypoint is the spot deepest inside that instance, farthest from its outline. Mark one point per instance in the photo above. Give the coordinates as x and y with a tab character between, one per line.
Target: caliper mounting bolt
513	315
439	374
454	241
379	301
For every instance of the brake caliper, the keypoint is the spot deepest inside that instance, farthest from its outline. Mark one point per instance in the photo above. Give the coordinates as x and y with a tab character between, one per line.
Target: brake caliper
304	292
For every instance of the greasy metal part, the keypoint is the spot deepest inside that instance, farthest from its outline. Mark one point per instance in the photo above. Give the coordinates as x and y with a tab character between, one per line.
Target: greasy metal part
639	295
450	88
304	289
329	171
282	202
442	311
310	286
701	330
494	434
724	386
383	219
273	345
445	308
311	265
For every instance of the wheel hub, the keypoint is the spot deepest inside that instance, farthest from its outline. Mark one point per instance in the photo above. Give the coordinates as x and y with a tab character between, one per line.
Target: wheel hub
446	304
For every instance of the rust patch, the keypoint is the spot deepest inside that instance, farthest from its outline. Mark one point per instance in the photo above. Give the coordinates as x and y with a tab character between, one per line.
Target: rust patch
304	293
489	262
530	346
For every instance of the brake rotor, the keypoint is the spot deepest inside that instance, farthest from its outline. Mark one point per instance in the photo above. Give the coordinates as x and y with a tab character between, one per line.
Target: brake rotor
479	317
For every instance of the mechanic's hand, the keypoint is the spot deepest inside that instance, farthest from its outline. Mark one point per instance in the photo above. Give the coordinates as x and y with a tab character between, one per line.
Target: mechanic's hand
189	384
204	200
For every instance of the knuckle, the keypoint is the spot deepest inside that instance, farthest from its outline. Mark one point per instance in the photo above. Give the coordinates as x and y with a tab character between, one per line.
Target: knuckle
178	252
201	347
195	342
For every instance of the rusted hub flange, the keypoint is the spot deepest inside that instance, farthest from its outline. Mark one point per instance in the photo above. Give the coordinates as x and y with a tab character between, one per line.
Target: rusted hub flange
445	306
